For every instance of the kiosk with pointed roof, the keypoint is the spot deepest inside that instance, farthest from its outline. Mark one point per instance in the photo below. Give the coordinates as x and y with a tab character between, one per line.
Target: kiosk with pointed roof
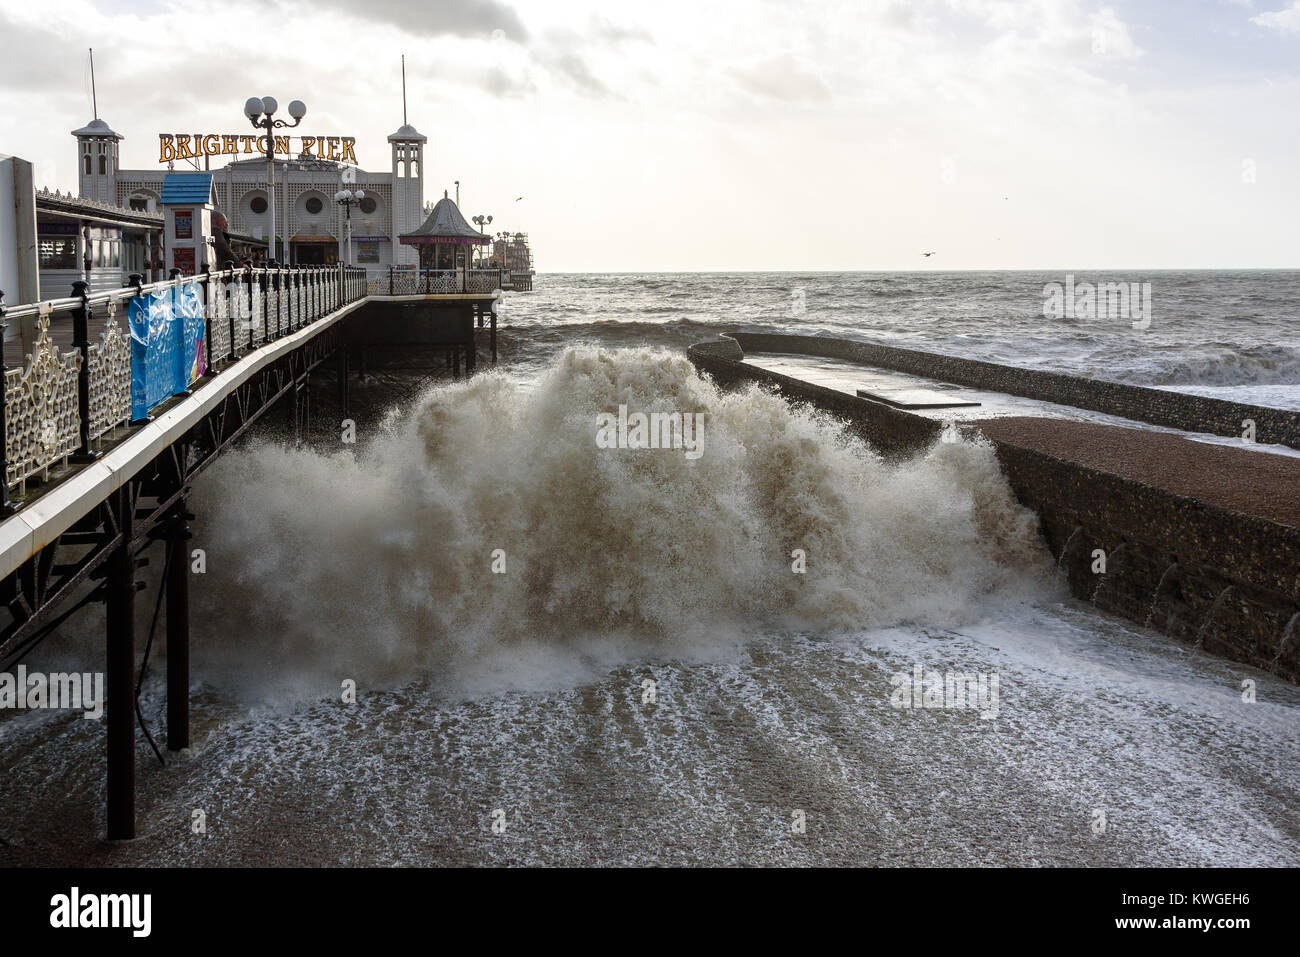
445	239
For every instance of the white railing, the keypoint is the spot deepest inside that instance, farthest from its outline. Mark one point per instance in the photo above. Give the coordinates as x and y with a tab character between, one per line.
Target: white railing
42	401
410	281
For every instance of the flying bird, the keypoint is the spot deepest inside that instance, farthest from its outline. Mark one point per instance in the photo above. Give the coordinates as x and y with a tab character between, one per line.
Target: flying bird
518	198
927	255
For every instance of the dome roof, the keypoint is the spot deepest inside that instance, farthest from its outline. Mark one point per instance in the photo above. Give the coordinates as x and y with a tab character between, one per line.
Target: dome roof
407	132
96	128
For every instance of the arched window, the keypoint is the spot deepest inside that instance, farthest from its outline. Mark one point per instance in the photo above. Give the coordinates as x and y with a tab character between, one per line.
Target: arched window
415	168
103	164
401	169
86	164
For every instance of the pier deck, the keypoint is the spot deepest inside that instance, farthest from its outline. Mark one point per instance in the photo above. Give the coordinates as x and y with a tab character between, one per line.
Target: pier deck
94	480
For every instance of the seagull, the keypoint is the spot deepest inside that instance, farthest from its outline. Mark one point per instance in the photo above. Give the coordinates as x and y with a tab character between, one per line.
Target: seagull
518	198
927	255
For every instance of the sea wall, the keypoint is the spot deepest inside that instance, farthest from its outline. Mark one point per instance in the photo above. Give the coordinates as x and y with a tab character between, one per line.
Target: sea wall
894	432
1157	406
1216	579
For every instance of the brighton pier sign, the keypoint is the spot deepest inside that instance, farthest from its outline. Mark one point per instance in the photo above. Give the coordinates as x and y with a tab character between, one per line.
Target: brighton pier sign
179	146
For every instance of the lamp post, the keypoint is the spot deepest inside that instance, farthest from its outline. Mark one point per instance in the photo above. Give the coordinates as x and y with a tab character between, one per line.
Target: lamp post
481	221
261	113
347	198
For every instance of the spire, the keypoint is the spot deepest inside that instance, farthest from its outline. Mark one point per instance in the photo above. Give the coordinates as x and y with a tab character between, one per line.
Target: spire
407	131
96	127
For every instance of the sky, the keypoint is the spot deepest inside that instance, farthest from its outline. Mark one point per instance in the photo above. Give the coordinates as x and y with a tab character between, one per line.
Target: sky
729	135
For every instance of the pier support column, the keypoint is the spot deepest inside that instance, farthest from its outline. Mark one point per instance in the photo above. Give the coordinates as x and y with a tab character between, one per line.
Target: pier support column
178	631
343	379
493	336
120	677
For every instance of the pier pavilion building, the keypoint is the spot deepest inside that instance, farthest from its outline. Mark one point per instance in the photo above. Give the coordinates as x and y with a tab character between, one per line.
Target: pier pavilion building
310	225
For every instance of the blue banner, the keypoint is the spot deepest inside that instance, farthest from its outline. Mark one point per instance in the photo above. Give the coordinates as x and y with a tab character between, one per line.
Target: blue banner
167	354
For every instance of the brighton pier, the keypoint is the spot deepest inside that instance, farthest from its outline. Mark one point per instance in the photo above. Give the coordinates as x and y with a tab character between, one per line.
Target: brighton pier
177	146
104	438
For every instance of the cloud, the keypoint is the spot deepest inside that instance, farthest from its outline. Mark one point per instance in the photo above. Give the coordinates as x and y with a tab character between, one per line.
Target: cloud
615	33
1110	36
502	85
1053	25
783	78
40	60
574	68
1283	21
461	18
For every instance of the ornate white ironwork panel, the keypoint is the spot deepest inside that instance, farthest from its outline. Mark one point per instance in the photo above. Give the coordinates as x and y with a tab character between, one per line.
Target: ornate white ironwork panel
220	294
443	282
405	282
484	281
41	420
254	324
109	365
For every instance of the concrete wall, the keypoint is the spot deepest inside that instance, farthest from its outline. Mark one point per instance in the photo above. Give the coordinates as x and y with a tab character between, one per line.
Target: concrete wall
892	432
1219	580
1156	406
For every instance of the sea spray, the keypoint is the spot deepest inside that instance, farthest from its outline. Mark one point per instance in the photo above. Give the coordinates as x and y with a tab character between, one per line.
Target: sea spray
486	523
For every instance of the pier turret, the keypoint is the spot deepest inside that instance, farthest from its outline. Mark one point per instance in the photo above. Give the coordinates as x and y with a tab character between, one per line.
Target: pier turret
97	162
408	186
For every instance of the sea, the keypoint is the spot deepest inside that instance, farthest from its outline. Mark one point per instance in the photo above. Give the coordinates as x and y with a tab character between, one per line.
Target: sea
476	637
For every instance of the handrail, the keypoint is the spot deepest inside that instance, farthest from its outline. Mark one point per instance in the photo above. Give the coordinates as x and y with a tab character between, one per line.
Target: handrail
57	405
424	280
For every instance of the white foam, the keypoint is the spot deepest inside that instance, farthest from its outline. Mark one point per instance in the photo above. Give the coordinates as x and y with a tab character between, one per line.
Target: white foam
324	565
